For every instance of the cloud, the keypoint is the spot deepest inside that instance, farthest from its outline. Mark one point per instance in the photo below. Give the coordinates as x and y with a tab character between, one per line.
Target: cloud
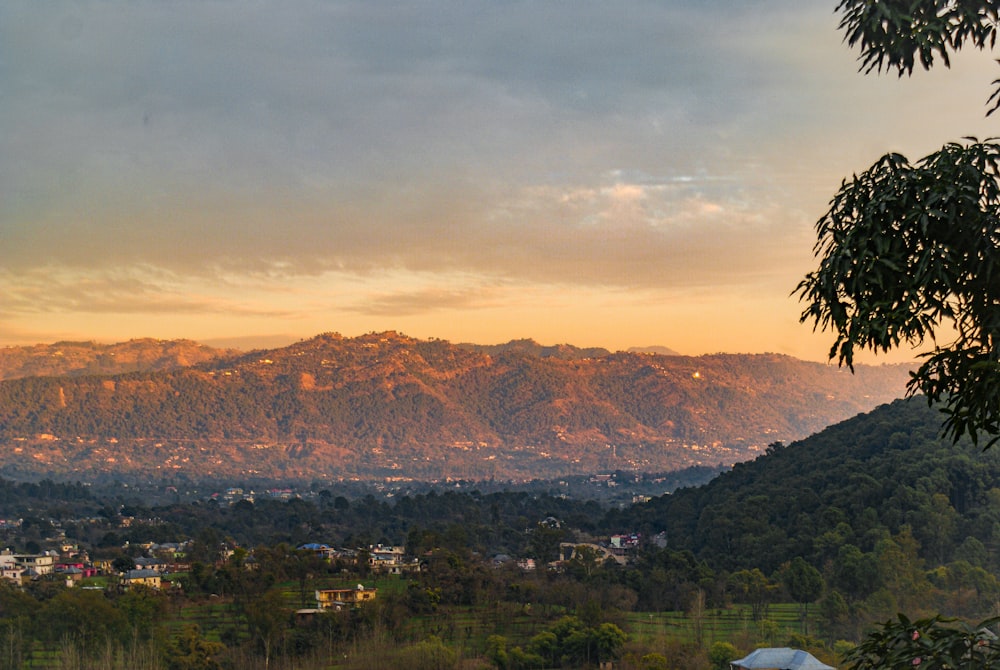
131	291
137	130
393	157
431	299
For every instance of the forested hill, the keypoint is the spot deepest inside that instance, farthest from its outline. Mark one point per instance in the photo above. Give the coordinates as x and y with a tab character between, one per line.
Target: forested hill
386	405
841	493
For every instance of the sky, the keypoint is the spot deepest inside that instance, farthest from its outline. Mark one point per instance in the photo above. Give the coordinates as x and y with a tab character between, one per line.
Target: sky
572	171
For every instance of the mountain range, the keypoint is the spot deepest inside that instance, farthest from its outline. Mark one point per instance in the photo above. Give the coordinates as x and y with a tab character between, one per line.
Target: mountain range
385	405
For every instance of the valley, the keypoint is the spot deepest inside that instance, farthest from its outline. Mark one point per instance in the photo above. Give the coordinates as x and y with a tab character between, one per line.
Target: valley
877	514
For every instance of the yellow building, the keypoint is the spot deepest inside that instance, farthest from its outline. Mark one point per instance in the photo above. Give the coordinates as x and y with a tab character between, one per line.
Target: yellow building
148	578
340	598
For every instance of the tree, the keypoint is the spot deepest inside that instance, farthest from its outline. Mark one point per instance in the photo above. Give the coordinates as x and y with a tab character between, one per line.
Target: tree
804	584
429	654
752	587
86	617
902	570
894	34
142	608
206	546
856	573
835	615
496	651
659	662
721	655
191	651
123	564
544	542
909	252
927	644
609	640
585	562
267	620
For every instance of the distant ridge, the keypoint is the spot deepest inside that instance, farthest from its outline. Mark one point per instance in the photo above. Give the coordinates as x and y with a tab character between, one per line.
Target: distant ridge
529	347
655	349
384	405
250	342
90	358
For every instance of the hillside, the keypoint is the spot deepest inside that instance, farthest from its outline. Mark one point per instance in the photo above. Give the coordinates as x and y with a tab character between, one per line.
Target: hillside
385	405
531	348
91	358
852	485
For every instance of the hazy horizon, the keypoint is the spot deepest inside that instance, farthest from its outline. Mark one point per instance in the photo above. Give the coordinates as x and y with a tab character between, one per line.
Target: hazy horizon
278	341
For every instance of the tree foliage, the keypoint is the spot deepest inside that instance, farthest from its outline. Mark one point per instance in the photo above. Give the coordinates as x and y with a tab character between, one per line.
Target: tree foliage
569	642
898	34
909	252
927	644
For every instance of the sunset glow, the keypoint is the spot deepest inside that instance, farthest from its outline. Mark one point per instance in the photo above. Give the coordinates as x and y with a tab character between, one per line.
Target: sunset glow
615	175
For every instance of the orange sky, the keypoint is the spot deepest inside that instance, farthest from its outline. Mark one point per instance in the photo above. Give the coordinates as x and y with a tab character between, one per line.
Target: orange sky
615	175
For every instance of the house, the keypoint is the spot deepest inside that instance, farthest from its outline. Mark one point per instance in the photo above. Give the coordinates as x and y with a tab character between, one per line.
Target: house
324	551
337	599
623	545
41	564
569	550
146	563
390	560
171	552
148	578
71	574
9	568
85	570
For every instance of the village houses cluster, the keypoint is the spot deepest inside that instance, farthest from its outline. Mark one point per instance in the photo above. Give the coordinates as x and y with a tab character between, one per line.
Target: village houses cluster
72	565
155	565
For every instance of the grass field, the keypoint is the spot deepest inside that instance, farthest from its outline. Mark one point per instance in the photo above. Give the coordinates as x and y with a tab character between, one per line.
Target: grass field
779	622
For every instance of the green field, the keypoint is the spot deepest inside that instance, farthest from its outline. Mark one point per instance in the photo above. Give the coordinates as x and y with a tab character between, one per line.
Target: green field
734	623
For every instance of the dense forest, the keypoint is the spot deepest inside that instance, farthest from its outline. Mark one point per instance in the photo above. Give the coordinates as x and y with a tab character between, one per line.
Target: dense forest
845	486
385	405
